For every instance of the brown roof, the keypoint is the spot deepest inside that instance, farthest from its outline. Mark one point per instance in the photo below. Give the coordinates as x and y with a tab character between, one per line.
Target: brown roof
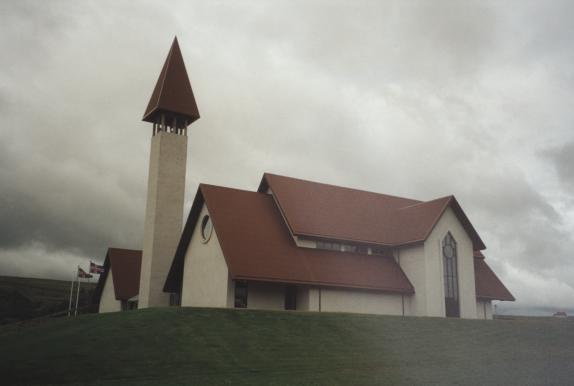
258	246
319	210
126	266
172	94
488	285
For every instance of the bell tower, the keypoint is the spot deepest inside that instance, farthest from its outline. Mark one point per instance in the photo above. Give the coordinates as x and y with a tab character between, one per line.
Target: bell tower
170	110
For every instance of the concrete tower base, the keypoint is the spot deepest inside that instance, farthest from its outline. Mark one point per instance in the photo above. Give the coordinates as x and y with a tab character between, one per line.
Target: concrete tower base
164	215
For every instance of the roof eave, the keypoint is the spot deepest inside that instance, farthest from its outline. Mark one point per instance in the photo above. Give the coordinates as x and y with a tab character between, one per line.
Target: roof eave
96	297
478	244
501	298
409	291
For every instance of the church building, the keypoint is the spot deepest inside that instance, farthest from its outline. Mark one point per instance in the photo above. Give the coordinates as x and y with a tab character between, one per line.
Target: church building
291	244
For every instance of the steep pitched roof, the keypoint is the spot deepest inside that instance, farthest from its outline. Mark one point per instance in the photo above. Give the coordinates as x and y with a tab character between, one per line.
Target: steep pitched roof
488	285
126	266
258	246
314	209
172	94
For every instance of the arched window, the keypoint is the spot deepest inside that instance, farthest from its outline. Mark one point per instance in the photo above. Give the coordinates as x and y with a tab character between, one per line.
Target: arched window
449	260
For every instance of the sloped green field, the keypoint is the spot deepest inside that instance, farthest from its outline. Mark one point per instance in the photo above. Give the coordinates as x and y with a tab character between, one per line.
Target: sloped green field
241	347
24	298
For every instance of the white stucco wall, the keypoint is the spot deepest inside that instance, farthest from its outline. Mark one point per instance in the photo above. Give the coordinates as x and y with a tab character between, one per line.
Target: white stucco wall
423	265
314	301
412	262
348	300
206	280
484	309
164	215
265	296
108	302
364	302
434	267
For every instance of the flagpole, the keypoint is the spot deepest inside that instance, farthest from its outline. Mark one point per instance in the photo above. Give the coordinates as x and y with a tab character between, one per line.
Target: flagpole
71	294
78	295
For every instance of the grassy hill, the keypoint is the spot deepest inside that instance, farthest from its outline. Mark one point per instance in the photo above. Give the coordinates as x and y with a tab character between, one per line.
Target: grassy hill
242	347
24	298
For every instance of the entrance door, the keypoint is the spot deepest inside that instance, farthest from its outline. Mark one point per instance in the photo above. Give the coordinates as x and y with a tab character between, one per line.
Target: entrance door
449	259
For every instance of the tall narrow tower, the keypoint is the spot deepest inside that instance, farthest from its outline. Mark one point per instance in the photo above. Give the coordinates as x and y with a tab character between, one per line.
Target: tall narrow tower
171	109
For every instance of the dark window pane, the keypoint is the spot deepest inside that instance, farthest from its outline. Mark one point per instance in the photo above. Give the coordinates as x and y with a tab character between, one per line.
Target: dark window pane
450	276
290	298
240	294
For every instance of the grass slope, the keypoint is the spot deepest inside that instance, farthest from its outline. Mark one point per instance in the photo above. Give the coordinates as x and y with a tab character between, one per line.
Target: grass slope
24	298
243	347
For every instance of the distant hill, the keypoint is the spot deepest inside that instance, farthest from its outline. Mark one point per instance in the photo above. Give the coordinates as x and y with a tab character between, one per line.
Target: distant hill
245	347
25	298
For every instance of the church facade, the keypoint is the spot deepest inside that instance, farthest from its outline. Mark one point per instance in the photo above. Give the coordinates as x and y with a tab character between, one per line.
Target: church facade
302	245
294	244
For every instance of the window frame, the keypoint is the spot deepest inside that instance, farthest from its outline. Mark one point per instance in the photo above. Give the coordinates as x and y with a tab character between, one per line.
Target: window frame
240	300
451	286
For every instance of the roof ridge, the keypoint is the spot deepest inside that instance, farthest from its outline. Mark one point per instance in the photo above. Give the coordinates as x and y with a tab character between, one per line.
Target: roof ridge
124	249
343	187
449	197
163	78
228	188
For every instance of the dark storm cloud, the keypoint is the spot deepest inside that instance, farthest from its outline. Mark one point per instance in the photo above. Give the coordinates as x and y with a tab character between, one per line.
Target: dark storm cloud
421	99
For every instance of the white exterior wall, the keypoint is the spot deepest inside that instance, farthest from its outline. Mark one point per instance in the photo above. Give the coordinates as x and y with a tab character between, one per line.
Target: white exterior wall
164	215
423	265
108	301
412	262
434	267
348	300
206	280
363	302
302	298
314	299
484	309
265	296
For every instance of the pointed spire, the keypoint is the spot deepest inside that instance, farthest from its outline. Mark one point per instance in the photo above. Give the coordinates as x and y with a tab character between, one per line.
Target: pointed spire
172	95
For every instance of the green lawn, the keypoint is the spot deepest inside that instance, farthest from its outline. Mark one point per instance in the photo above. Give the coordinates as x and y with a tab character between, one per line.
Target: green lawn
240	347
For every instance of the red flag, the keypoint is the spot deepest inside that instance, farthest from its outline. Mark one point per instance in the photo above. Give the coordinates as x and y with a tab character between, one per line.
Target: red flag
95	268
83	274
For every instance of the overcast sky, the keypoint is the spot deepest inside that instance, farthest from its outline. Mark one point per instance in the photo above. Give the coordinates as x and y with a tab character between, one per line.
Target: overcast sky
414	98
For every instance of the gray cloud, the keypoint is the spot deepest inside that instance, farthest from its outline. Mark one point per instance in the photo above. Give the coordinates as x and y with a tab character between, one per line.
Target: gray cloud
562	158
420	99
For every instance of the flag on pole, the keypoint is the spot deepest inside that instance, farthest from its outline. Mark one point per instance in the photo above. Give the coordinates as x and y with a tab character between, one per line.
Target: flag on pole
83	274
95	268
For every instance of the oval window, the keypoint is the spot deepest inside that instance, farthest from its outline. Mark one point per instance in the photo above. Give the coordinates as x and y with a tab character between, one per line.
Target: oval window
206	228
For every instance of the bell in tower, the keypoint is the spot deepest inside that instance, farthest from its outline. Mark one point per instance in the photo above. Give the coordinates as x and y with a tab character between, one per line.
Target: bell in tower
171	110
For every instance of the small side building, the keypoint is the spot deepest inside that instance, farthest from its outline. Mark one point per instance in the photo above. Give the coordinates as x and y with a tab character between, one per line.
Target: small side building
118	286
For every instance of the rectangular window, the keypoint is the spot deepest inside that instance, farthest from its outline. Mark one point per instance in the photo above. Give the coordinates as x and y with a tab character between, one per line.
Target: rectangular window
290	297
349	248
329	246
378	251
240	294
